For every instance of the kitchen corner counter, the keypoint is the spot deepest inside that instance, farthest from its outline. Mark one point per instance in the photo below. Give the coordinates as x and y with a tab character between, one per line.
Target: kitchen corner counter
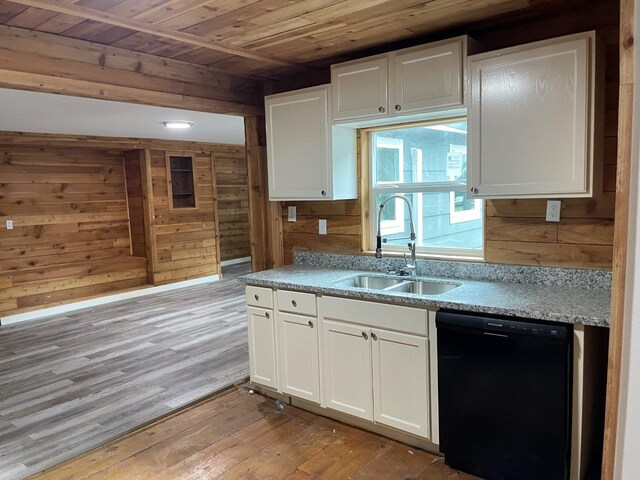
567	304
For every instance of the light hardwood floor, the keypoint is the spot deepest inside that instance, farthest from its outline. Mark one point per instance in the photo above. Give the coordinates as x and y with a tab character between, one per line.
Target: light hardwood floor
70	383
238	435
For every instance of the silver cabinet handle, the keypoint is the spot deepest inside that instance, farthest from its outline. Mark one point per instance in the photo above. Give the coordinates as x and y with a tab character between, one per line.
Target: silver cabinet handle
374	336
381	109
365	336
324	193
310	323
267	315
398	108
474	190
256	297
294	303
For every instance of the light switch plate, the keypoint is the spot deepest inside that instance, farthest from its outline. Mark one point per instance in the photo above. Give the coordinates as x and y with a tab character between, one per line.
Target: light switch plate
322	227
291	213
9	224
553	210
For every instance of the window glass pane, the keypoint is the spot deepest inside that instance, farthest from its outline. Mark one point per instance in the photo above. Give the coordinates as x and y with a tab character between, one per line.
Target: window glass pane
442	220
426	153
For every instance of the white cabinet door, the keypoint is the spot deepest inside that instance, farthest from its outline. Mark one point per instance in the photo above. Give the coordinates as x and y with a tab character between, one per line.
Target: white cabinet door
262	347
401	381
531	120
299	372
298	145
360	89
347	369
427	77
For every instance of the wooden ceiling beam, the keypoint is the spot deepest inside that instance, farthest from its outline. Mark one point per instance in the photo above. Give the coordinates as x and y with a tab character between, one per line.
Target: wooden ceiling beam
59	6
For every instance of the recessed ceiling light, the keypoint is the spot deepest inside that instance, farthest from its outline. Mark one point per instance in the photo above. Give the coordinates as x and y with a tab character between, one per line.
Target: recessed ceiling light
178	124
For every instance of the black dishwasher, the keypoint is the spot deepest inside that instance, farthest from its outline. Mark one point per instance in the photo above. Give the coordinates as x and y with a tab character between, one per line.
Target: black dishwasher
504	396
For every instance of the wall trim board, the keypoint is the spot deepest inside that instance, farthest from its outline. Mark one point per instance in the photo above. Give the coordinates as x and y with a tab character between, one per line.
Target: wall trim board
74	306
621	236
235	261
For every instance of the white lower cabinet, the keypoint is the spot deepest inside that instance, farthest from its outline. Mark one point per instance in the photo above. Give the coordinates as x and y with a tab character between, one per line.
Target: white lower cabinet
366	359
347	369
376	363
401	381
262	347
299	356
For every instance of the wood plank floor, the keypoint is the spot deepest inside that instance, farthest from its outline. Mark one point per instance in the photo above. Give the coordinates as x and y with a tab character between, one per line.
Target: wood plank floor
238	435
70	383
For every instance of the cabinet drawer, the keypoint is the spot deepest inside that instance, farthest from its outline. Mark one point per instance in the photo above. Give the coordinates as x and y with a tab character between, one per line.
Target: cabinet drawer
296	302
377	315
259	297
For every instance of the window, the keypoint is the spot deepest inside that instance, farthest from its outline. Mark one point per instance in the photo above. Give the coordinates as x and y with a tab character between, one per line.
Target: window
181	182
427	164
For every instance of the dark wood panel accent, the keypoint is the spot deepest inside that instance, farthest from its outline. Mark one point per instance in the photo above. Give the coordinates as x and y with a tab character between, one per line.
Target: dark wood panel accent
133	162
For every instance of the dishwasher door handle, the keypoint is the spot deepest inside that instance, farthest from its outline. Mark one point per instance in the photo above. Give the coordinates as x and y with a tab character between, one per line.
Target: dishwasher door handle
495	334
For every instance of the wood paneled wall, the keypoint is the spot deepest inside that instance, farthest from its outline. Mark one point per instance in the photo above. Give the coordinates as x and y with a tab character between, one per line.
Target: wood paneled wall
44	62
185	241
71	234
135	198
233	203
516	230
88	212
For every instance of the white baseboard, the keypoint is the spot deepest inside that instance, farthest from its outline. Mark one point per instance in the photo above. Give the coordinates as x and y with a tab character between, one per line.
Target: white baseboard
70	307
235	261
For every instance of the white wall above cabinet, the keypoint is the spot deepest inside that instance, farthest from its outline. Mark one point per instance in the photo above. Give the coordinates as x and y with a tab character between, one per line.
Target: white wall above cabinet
395	85
533	117
308	159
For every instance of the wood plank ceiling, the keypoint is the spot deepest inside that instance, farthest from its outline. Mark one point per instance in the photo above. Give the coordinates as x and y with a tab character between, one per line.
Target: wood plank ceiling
262	38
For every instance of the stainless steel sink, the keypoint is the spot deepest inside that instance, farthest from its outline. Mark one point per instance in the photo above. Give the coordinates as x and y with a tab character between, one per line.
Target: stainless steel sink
424	287
373	283
399	285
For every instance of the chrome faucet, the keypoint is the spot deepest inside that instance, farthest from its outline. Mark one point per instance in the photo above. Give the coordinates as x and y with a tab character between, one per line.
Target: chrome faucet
409	265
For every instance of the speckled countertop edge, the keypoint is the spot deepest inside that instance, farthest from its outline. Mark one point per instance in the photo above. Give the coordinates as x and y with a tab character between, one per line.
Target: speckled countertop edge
541	302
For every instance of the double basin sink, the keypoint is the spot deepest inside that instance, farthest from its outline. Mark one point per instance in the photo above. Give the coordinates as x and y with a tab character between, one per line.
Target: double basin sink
398	285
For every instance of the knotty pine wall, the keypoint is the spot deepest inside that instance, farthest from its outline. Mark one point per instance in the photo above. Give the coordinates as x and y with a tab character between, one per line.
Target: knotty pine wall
71	227
185	241
88	217
516	230
233	202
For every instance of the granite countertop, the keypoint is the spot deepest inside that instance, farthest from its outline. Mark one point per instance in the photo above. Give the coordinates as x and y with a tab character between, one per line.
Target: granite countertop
567	304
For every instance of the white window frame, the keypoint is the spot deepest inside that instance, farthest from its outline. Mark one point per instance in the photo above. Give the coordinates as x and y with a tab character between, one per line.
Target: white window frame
465	215
419	186
389	227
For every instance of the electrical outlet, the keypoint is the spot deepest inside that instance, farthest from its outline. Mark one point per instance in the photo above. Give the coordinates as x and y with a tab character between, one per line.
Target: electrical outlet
322	227
9	224
291	213
553	210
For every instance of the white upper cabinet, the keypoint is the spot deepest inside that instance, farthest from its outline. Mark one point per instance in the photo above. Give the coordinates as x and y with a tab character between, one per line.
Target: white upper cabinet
424	78
308	159
532	120
360	89
405	82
